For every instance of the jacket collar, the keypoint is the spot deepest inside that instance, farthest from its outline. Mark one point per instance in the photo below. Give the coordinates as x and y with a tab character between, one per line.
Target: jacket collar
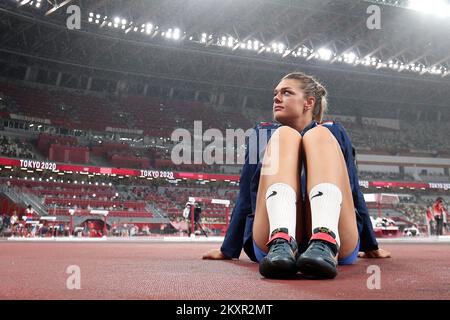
311	125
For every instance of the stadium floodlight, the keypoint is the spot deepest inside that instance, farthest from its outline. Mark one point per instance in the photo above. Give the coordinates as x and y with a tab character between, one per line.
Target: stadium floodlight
148	28
438	7
436	70
393	65
256	45
278	47
366	61
230	42
431	70
305	52
167	34
350	57
176	34
325	54
322	53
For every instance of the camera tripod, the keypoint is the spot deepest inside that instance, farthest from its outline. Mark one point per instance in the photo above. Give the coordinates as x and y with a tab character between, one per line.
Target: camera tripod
197	226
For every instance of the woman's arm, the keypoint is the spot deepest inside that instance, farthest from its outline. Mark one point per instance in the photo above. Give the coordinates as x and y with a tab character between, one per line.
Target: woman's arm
368	242
234	238
379	253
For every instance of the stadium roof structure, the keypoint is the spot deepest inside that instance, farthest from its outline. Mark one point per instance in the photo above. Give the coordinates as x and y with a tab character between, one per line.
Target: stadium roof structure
238	44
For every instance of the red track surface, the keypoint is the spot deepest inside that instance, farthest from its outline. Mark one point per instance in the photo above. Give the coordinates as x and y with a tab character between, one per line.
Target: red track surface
175	271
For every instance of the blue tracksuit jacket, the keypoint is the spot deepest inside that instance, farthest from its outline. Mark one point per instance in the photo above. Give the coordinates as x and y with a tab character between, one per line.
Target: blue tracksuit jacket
239	234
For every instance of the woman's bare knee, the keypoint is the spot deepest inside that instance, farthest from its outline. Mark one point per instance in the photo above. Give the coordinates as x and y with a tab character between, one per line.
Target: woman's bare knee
282	155
286	135
318	136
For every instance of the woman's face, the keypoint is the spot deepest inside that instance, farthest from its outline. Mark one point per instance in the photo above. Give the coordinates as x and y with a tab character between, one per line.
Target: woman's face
289	103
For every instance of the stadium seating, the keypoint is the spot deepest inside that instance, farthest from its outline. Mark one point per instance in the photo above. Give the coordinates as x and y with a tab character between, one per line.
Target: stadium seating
59	198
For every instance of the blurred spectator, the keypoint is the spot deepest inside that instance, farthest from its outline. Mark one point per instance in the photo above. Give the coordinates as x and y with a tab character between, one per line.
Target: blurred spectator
15	148
440	215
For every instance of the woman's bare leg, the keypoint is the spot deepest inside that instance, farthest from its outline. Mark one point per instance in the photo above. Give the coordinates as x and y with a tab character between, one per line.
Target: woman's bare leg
281	164
325	164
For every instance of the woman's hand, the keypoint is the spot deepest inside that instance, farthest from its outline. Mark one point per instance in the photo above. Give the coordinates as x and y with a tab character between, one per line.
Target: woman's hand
215	254
376	254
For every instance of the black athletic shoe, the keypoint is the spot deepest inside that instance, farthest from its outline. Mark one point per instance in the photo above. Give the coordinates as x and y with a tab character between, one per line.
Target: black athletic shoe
321	258
280	261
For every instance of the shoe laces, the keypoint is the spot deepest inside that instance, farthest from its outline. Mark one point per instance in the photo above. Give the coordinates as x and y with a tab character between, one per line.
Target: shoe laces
324	247
279	245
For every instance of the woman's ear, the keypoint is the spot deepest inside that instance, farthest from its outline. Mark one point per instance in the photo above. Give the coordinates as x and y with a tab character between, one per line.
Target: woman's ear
309	103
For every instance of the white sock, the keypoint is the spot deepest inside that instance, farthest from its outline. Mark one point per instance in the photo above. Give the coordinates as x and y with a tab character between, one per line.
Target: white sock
326	201
281	206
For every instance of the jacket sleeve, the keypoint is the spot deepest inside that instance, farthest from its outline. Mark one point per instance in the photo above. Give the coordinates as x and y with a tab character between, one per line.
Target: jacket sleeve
367	236
234	238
